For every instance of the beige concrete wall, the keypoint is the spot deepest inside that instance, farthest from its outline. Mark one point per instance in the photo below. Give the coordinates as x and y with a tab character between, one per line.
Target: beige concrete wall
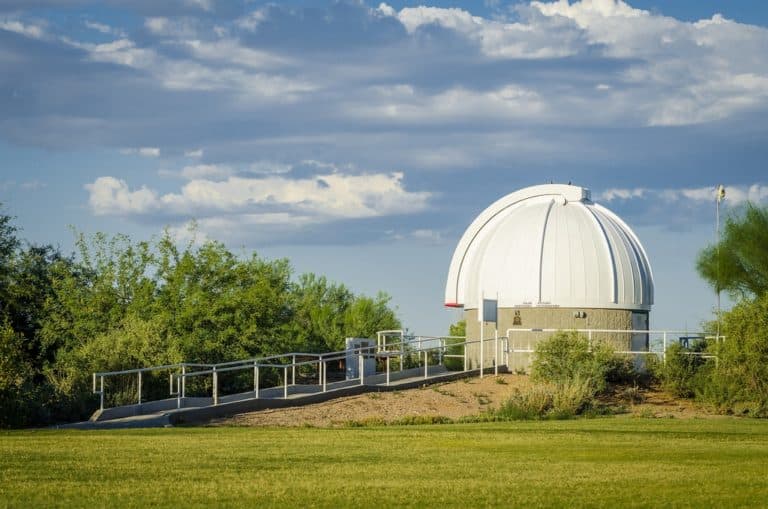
545	318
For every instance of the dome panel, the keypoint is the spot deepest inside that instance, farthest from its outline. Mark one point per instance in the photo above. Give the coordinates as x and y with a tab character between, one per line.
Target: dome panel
550	245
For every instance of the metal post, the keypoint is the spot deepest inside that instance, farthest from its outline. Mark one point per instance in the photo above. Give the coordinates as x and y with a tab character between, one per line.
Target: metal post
465	353
293	371
387	370
285	382
496	352
325	374
139	388
178	391
426	364
256	380
664	352
589	340
183	381
482	360
320	370
215	387
361	366
101	392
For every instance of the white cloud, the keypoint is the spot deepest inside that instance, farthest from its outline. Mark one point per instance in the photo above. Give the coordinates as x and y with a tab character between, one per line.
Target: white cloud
233	53
190	74
269	199
622	194
683	72
197	153
142	151
403	103
111	196
28	30
252	20
104	29
176	27
735	194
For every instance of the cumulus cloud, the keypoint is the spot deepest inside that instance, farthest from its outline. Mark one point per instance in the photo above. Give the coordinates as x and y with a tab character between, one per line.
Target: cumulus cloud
264	200
111	196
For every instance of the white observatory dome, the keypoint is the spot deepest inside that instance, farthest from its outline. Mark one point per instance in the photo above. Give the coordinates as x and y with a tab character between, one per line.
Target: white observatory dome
550	245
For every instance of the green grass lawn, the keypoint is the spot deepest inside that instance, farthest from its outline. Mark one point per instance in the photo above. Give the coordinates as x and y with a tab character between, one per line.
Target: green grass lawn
599	462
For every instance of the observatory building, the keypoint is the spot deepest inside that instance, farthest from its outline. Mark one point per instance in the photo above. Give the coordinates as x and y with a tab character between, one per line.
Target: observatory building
552	259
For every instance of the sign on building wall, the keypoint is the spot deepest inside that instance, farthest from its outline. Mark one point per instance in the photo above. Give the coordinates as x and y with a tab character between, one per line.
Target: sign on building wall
489	311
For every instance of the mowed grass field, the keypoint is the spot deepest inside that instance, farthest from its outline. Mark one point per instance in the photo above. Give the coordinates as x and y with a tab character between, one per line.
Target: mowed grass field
609	462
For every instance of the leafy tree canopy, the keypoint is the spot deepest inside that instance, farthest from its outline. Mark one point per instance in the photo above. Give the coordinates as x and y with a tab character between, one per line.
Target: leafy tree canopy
738	264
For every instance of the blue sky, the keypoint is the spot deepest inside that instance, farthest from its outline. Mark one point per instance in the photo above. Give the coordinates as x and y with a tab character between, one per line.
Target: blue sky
360	139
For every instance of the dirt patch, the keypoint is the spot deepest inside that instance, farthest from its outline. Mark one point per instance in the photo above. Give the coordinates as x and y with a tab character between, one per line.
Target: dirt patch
462	398
657	403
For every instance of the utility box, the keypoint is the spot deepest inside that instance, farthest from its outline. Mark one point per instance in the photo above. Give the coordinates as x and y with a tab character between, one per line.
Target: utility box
356	346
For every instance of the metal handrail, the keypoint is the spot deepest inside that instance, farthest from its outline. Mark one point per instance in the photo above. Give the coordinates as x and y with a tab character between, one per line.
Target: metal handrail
177	381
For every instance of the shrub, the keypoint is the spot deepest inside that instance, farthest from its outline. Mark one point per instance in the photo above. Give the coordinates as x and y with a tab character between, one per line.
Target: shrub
681	372
739	381
566	356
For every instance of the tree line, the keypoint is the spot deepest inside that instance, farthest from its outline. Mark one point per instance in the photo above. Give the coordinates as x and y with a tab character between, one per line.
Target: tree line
117	304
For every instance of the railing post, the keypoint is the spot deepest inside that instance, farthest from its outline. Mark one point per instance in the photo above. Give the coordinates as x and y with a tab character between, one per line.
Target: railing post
496	352
387	370
255	380
361	365
293	371
139	389
178	391
325	374
215	387
101	392
285	382
465	353
426	364
320	370
183	381
482	349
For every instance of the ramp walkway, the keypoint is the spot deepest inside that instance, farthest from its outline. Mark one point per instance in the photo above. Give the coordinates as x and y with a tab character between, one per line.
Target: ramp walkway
393	362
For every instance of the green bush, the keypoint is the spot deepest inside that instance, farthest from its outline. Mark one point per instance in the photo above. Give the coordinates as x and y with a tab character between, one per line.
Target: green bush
682	372
567	356
738	383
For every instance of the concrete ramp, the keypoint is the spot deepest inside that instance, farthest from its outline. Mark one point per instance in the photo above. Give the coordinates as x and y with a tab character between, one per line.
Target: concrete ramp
195	411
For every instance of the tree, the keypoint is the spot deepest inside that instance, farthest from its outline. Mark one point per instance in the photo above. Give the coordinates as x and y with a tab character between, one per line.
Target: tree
458	329
319	310
738	264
